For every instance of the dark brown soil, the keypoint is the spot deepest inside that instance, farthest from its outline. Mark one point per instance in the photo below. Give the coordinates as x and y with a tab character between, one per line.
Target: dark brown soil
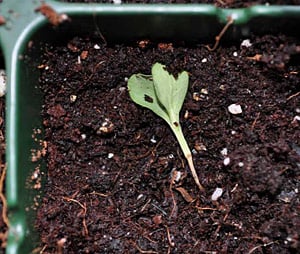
219	3
113	192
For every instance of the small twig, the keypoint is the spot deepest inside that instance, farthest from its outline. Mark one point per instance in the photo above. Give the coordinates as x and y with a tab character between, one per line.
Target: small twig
94	71
218	37
205	208
169	250
234	188
292	96
39	250
174	175
75	201
283	170
160	209
42	250
172	244
180	158
294	72
255	121
261	245
220	225
143	251
2	197
151	151
99	32
145	205
86	232
99	194
256	58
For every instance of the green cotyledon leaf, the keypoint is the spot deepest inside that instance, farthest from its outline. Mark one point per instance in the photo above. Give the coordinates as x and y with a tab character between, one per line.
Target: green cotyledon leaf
141	91
164	95
170	91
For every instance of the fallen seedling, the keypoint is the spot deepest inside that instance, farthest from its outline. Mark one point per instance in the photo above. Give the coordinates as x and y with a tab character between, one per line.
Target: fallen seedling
164	95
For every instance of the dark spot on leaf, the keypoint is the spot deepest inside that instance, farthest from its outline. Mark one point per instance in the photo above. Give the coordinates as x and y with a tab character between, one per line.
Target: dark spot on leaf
148	98
176	124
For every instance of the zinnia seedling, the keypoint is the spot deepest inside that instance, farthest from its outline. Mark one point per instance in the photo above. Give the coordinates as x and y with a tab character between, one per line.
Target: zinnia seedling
164	95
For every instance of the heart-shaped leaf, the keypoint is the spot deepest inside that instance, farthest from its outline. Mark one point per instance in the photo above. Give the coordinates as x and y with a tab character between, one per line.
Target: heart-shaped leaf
164	95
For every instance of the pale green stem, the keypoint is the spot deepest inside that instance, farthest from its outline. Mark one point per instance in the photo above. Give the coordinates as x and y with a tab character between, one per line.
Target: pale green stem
186	151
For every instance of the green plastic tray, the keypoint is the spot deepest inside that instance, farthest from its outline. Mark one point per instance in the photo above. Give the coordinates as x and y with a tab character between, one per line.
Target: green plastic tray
118	23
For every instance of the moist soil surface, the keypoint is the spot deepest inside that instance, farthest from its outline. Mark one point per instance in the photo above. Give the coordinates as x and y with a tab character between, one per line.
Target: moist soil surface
117	179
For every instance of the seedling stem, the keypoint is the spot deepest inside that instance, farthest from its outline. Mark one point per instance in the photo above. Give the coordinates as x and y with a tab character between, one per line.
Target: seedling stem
164	95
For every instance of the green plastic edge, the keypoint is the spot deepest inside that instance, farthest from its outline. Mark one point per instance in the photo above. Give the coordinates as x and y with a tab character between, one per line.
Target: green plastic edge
22	22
